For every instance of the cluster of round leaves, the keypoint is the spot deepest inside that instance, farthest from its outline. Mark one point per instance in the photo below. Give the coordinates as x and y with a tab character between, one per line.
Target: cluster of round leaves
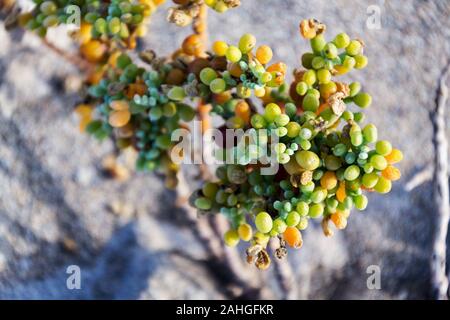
116	19
248	67
323	176
233	73
328	158
139	108
314	86
228	75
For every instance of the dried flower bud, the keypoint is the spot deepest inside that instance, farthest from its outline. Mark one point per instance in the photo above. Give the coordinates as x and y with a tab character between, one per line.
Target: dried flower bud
311	28
335	102
343	87
252	252
281	252
147	56
319	124
326	228
306	177
295	180
263	260
179	17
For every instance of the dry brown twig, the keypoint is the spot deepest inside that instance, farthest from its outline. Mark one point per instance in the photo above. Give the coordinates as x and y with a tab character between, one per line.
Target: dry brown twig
439	280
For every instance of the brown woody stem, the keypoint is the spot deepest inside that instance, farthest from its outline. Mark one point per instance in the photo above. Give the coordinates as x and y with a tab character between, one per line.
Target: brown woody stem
439	280
200	25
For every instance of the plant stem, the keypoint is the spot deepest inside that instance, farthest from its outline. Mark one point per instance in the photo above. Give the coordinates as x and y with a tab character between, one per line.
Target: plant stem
439	280
75	60
200	25
225	265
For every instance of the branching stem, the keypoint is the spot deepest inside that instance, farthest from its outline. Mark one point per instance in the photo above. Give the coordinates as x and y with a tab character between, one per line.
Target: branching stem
75	60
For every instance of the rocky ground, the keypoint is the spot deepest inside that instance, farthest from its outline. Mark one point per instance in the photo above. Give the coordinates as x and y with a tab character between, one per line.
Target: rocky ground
57	208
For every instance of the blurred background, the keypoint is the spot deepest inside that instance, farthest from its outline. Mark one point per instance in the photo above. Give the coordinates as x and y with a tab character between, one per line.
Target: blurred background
58	208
